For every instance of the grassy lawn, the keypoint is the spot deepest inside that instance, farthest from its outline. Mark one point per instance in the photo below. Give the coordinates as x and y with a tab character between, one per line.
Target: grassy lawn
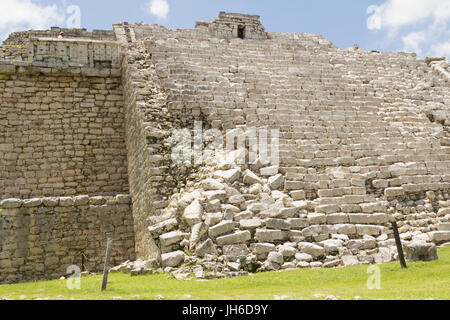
422	280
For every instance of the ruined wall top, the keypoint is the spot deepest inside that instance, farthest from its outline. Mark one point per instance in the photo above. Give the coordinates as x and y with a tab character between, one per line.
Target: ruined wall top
22	37
79	51
236	25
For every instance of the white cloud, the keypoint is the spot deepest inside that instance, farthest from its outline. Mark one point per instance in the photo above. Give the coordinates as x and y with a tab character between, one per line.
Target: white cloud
399	13
24	14
423	26
159	8
441	49
413	41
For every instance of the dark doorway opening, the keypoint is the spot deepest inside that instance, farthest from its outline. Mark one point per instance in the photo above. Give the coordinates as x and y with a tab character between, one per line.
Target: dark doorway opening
241	32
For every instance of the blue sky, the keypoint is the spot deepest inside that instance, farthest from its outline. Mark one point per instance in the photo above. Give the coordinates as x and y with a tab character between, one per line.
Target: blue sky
421	26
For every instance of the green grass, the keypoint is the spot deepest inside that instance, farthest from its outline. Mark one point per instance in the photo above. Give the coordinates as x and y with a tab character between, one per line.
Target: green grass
422	280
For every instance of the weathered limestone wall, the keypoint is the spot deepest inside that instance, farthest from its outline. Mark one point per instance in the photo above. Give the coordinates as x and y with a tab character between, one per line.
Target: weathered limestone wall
141	165
150	121
40	238
13	52
61	135
22	37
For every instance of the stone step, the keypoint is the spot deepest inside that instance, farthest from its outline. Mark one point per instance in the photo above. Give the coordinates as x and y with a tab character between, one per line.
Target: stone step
350	199
439	237
444	227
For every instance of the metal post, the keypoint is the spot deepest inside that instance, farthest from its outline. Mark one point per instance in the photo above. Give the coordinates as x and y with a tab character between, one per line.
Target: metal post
106	267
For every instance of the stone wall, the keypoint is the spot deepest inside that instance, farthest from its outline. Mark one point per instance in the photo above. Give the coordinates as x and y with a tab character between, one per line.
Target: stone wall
40	238
13	52
150	122
61	135
22	37
142	166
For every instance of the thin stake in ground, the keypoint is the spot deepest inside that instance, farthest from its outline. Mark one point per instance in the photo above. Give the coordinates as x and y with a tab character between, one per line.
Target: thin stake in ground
398	242
106	267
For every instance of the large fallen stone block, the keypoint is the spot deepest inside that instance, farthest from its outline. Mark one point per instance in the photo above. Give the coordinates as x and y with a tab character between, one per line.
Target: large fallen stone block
172	259
213	218
304	257
312	231
222	228
229	176
276	182
215	195
262	250
332	245
236	251
198	231
251	178
235	238
286	213
350	260
269	171
207	247
162	227
439	237
171	238
193	213
369	230
275	257
212	184
311	249
287	251
420	251
250	224
269	235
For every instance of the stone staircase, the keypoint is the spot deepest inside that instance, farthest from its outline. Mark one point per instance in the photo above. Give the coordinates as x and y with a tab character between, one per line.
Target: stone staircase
357	145
335	109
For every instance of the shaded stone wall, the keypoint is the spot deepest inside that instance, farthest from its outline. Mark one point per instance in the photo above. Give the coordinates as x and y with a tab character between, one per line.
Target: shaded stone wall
40	238
62	134
150	123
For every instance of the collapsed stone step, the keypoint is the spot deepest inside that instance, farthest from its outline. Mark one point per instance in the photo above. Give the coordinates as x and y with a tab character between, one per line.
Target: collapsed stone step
439	237
237	221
